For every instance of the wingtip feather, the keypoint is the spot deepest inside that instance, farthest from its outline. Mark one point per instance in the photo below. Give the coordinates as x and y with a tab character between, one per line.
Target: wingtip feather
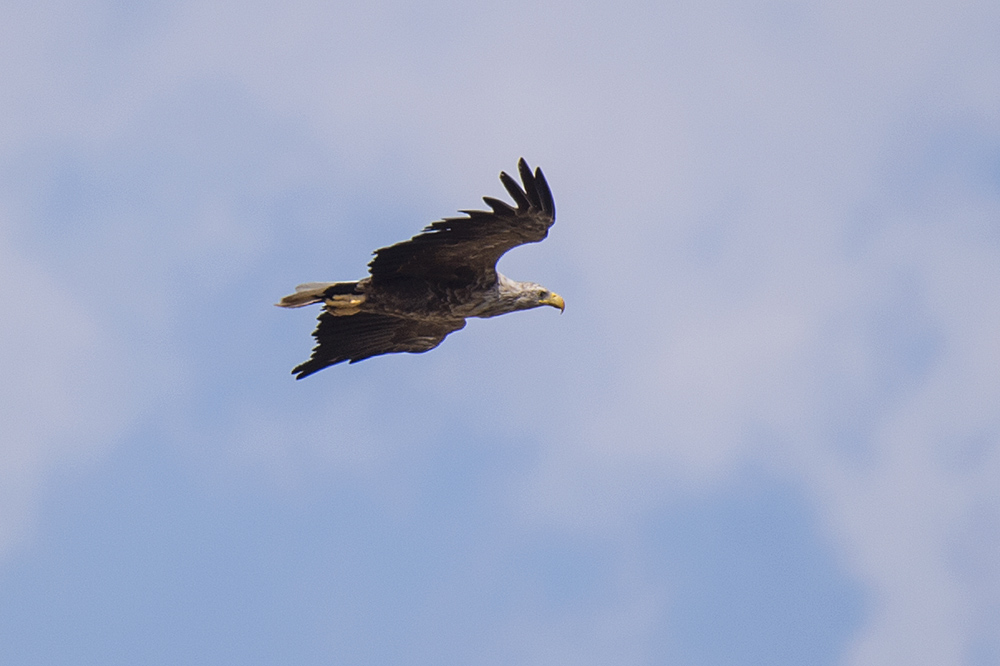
548	203
530	187
501	208
515	191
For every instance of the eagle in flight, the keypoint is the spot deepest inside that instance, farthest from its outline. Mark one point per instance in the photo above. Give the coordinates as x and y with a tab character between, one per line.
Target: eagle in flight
420	290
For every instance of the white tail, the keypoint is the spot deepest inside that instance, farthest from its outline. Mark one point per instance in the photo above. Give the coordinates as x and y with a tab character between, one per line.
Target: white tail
306	294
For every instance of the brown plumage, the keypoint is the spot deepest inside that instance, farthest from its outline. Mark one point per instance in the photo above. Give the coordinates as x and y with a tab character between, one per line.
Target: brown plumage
422	289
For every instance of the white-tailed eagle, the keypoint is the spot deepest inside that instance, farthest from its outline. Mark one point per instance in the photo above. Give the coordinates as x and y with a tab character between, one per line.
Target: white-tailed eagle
422	289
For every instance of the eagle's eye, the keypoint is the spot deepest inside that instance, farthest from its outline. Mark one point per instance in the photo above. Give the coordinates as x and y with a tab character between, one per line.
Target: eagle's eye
543	294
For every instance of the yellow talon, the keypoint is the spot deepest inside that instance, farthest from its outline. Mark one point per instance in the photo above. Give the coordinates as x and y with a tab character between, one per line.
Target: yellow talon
345	301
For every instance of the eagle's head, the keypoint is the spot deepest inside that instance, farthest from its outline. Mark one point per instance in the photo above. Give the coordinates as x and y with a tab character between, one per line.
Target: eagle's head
543	296
526	295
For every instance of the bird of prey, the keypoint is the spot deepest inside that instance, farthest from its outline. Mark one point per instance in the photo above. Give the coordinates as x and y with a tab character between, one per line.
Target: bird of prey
420	290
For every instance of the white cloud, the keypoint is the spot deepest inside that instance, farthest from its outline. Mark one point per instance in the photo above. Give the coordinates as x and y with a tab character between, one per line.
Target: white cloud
64	398
736	218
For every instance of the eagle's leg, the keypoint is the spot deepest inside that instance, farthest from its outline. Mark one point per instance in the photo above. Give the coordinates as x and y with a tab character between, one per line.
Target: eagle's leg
343	305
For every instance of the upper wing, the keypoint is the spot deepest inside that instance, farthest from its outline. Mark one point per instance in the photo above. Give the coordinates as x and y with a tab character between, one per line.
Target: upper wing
363	335
460	251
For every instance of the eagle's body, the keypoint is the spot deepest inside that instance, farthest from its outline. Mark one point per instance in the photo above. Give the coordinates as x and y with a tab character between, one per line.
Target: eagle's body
422	289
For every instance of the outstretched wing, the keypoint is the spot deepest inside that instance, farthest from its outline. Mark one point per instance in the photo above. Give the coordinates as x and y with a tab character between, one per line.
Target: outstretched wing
357	337
462	251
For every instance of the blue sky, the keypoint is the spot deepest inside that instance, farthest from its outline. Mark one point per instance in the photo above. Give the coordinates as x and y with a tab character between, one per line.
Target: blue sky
765	430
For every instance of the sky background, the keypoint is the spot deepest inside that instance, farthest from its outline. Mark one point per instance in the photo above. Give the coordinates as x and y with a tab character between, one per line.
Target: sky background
765	431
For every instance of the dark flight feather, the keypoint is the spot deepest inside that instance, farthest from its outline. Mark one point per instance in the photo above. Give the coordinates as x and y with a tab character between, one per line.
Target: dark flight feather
472	245
357	337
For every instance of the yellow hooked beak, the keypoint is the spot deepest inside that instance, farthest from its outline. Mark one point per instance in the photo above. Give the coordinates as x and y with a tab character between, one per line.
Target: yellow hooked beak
555	300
